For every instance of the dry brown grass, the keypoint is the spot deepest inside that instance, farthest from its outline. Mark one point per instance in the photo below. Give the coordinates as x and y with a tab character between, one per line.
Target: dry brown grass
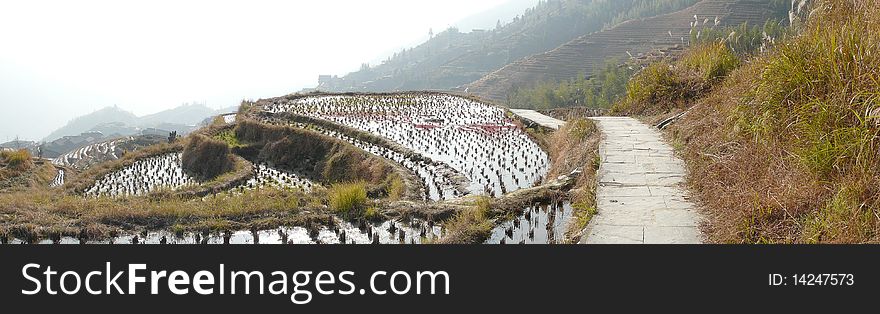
36	175
576	147
786	150
19	171
19	160
206	157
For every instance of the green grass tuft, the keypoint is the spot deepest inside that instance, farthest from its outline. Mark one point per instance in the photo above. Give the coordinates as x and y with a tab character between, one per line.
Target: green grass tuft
348	199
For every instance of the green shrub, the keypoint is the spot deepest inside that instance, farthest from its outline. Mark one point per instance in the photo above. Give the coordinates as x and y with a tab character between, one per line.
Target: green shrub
664	86
743	39
603	88
348	199
711	61
471	225
228	137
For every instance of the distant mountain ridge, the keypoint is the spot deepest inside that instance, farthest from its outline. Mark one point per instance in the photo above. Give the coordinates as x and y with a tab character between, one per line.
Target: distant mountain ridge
85	123
451	59
116	121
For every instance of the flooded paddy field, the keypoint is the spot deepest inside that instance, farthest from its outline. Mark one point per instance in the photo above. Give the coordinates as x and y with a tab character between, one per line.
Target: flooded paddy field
538	224
477	140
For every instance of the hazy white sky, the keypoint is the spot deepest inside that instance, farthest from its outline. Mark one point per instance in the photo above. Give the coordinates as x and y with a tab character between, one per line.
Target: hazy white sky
61	59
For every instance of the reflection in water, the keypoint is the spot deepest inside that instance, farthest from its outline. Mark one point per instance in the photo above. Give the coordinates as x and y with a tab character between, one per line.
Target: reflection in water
539	224
412	231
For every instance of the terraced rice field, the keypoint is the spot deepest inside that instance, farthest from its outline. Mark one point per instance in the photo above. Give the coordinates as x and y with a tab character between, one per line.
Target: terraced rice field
144	176
98	151
59	179
456	146
474	139
166	171
89	155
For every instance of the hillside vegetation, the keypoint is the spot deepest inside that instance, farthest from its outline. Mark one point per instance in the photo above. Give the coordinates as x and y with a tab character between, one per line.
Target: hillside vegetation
663	34
600	90
784	147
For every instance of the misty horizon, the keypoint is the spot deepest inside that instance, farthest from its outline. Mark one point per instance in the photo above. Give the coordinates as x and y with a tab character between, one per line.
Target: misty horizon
146	58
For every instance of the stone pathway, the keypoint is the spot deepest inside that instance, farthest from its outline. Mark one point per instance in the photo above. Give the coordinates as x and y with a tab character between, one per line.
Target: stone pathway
539	118
639	197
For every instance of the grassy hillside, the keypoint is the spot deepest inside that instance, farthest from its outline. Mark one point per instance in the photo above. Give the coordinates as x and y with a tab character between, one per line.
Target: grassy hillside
785	147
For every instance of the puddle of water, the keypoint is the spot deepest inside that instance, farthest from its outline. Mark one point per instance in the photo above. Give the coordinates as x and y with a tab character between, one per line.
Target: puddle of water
538	224
413	232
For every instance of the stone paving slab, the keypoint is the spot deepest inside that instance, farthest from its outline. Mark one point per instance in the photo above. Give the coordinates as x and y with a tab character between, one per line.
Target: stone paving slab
639	195
539	118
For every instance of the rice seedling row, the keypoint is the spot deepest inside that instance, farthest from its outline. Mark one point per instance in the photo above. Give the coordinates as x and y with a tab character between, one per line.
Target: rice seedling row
144	176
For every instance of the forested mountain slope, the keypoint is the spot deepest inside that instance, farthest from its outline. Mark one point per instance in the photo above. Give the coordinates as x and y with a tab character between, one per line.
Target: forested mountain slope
583	54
